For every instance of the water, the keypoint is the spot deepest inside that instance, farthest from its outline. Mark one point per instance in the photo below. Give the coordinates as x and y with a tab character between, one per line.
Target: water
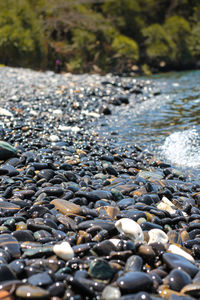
167	123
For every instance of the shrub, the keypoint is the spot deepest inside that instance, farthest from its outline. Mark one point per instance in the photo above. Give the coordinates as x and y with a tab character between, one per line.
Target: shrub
20	34
158	44
125	48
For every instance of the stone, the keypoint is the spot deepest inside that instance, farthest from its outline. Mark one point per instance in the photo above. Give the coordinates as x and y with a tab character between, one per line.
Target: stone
177	279
10	244
133	282
131	229
177	250
100	269
31	292
174	261
6	273
6	150
63	250
66	207
40	279
110	293
157	235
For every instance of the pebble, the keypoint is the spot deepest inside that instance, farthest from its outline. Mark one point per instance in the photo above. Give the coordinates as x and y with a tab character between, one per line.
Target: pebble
82	216
100	269
110	293
66	207
176	261
31	292
157	235
130	228
9	243
63	250
177	250
178	279
6	150
133	282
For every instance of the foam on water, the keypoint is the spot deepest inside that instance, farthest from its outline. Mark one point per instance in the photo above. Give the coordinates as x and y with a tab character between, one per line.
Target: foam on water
183	148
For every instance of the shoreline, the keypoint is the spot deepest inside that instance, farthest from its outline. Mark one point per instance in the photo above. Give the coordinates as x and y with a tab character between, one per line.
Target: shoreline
65	191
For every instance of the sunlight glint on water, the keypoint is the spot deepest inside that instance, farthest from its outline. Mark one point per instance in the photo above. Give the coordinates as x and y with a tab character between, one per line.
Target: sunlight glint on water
183	148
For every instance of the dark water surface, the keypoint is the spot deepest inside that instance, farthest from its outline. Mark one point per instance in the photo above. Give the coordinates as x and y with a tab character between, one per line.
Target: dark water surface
166	120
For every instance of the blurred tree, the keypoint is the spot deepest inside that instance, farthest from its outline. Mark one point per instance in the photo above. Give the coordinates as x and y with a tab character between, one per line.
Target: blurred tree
21	39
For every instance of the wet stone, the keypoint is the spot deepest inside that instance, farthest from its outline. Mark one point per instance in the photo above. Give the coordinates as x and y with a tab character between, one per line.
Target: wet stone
6	150
133	282
8	206
46	173
17	266
192	290
66	207
177	279
9	170
134	264
6	273
57	289
10	244
23	235
100	269
174	261
98	195
104	224
41	279
104	248
110	293
31	292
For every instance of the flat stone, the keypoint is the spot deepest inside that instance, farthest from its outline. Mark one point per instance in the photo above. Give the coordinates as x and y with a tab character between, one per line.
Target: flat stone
6	273
63	250
40	279
100	269
10	244
28	292
6	150
130	228
5	205
133	282
174	261
66	207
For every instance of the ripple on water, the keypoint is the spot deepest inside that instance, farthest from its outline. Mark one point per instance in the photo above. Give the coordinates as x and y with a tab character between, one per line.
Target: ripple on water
183	148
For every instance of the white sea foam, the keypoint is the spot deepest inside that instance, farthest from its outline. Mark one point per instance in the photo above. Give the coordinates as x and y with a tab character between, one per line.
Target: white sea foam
183	148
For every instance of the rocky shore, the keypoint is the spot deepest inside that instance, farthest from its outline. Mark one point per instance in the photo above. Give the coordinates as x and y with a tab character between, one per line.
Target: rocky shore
80	217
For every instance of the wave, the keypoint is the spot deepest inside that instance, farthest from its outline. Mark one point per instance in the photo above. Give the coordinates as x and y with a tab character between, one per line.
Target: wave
183	148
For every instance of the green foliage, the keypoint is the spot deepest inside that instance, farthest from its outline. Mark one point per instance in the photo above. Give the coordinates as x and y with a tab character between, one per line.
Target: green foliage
126	16
194	41
125	48
158	44
178	30
110	35
20	33
169	42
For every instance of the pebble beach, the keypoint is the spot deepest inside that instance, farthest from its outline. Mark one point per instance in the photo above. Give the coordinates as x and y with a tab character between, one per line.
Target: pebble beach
80	216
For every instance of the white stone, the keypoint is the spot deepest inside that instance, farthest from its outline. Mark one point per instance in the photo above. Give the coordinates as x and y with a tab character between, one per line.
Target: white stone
157	235
57	112
54	138
115	241
130	228
166	204
63	250
66	128
91	113
33	112
5	112
111	293
177	250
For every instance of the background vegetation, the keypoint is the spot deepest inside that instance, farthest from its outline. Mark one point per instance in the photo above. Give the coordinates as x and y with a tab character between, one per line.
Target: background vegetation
100	35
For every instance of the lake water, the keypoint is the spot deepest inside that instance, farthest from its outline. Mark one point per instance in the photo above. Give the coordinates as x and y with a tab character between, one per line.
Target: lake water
165	121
